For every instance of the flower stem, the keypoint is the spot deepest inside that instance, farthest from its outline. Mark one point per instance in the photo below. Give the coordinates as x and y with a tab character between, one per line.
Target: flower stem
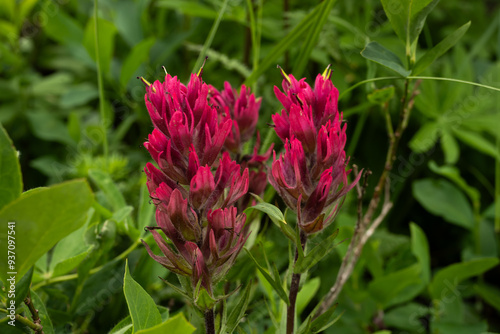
209	321
294	289
100	84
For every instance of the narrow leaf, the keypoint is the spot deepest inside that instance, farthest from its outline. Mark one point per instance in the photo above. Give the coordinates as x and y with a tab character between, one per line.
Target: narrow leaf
377	53
11	183
437	51
420	248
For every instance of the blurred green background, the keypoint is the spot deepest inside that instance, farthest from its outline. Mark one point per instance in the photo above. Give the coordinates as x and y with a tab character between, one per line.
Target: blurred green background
444	175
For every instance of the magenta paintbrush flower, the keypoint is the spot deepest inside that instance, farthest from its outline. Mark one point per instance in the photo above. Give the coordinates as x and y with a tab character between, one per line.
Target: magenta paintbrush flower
195	186
311	174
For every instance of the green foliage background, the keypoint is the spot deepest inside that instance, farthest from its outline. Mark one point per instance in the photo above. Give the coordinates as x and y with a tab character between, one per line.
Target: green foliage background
431	267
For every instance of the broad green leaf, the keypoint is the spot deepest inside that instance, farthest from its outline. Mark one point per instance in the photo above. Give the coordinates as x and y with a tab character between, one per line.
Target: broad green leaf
11	182
54	84
137	56
127	20
285	43
142	307
238	311
78	95
450	147
174	325
107	32
43	217
396	287
446	280
375	52
425	138
437	51
453	174
420	248
276	284
489	293
306	294
42	313
381	95
443	199
22	287
477	142
316	254
311	38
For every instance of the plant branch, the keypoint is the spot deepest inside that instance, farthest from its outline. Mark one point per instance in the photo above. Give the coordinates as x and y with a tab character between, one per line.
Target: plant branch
365	226
37	326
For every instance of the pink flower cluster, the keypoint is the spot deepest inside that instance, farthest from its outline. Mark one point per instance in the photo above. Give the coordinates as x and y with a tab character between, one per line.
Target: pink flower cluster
197	183
311	174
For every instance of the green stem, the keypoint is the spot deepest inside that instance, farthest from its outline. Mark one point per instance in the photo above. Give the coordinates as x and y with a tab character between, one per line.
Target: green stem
417	78
25	321
210	38
100	84
91	272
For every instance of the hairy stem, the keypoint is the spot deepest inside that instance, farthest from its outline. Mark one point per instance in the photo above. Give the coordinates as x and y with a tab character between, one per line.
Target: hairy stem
209	321
294	289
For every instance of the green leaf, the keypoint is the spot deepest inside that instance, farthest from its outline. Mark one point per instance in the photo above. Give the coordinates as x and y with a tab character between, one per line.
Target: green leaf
69	264
283	45
311	38
377	53
453	174
174	325
450	147
276	217
107	32
420	248
204	301
64	29
448	278
42	313
146	209
125	325
425	138
382	95
238	311
489	293
478	142
325	320
43	216
443	199
48	126
306	294
407	17
404	317
11	182
315	254
142	307
397	287
105	183
437	51
276	284
137	56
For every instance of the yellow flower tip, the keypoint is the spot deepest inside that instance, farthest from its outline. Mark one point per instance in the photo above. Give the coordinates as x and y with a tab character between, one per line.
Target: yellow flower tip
147	83
200	72
327	73
285	76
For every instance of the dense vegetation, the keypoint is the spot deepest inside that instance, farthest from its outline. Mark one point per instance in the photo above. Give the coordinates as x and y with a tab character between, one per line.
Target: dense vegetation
430	267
